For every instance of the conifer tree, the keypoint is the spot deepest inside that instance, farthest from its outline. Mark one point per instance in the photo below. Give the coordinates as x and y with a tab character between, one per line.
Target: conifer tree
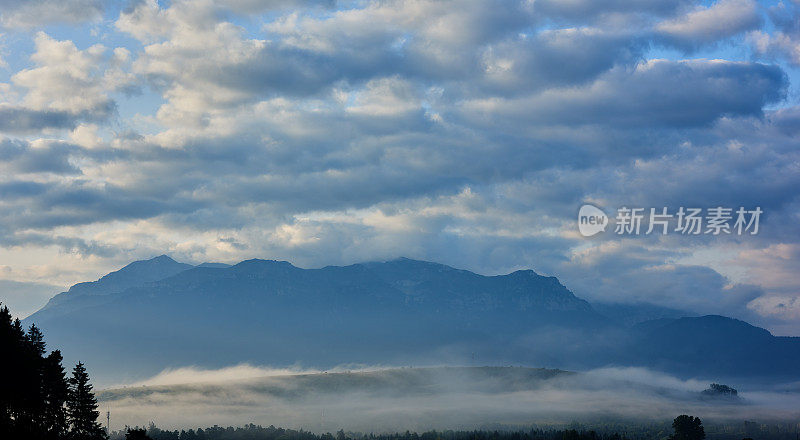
55	392
82	407
35	348
33	398
36	340
8	344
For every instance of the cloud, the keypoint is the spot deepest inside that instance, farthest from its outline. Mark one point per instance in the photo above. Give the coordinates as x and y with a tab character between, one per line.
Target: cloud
203	63
461	132
784	42
699	95
642	275
67	85
66	79
517	66
705	25
37	157
32	13
261	6
15	119
585	10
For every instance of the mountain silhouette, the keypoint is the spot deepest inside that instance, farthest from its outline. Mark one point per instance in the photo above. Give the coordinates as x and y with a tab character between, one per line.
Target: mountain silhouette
82	295
158	313
716	344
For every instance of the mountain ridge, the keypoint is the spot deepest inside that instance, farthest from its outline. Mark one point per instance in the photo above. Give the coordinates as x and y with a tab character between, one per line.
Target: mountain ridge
399	311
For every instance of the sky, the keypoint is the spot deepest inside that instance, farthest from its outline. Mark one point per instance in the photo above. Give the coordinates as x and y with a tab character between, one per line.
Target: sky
463	132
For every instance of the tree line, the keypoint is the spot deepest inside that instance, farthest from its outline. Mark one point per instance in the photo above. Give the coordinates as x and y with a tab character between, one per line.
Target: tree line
258	432
37	399
685	428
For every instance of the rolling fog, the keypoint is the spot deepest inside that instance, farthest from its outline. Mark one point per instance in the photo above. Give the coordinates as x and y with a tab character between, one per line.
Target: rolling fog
379	399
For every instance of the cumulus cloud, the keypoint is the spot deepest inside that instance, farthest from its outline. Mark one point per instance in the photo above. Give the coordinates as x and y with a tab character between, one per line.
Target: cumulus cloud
784	42
65	79
464	133
66	85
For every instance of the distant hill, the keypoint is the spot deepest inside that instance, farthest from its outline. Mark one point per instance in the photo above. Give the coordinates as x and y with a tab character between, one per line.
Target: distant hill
632	314
159	313
715	345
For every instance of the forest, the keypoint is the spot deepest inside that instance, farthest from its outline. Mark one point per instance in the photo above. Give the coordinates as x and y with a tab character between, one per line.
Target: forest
683	427
37	398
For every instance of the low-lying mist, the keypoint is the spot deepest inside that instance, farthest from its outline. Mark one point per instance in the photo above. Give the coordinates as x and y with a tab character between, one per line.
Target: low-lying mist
397	399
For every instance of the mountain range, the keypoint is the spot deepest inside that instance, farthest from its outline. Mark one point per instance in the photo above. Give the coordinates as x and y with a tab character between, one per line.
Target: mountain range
157	314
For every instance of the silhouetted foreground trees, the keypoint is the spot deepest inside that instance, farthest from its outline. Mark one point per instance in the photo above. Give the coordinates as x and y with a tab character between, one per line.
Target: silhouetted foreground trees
37	401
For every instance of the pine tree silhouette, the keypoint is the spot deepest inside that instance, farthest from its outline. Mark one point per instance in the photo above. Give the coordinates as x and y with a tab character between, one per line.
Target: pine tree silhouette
8	344
36	340
34	368
21	404
35	390
55	392
82	407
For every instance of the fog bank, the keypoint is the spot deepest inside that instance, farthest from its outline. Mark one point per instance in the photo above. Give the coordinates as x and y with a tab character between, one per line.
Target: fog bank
372	399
